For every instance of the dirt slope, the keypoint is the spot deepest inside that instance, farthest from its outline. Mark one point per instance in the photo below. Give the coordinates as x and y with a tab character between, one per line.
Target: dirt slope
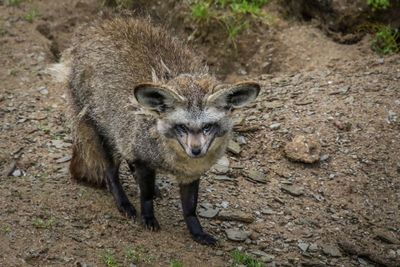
345	96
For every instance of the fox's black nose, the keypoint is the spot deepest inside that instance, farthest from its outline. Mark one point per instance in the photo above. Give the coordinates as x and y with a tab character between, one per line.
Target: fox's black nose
196	151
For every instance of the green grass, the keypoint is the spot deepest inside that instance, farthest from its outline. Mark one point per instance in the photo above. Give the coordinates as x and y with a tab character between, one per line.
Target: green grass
31	15
5	229
176	263
233	15
109	259
43	224
240	258
13	2
378	4
386	40
138	254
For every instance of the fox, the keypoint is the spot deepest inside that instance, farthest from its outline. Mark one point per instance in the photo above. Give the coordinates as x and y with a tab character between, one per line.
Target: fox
141	96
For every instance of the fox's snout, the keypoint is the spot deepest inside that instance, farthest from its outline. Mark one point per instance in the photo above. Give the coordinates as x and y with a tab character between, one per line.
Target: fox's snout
196	145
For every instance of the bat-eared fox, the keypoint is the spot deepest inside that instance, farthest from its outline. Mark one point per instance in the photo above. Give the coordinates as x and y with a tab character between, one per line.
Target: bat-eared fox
141	96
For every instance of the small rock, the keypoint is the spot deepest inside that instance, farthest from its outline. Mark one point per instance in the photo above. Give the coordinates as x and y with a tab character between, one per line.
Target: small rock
43	91
219	253
331	250
233	147
241	140
223	178
17	173
259	253
11	168
226	215
267	211
344	126
236	235
303	149
392	117
273	105
292	190
225	204
303	246
222	166
313	247
386	237
275	126
208	213
64	159
256	176
324	157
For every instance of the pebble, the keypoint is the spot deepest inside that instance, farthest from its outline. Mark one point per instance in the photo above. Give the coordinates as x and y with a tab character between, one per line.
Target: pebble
233	147
17	173
303	246
324	157
386	237
222	166
292	190
313	247
43	90
306	149
64	159
223	178
268	211
236	235
331	250
256	176
241	140
208	212
275	126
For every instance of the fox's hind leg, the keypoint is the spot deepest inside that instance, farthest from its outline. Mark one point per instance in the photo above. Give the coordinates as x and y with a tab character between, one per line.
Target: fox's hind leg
93	162
146	179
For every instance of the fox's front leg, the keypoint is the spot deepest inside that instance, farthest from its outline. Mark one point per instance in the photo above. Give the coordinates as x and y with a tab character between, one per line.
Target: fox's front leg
189	195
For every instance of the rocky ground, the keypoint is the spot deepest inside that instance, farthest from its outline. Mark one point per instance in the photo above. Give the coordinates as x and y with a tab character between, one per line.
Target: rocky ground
311	177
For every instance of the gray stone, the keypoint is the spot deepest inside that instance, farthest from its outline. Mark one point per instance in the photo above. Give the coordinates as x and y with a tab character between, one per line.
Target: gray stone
223	178
43	91
313	247
64	159
17	173
222	166
331	250
233	147
292	190
236	235
386	237
275	126
241	140
256	176
303	246
268	211
208	213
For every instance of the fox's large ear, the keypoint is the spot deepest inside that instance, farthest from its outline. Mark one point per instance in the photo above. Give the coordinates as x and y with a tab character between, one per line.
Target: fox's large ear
234	96
156	97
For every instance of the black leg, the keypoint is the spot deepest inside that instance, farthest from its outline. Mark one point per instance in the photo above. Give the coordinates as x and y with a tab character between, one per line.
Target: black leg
157	191
115	187
146	179
189	195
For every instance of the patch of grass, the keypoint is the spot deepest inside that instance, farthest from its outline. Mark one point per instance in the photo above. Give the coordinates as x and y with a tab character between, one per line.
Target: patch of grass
43	224
378	4
240	258
176	263
109	259
138	254
5	229
31	15
386	40
233	15
13	2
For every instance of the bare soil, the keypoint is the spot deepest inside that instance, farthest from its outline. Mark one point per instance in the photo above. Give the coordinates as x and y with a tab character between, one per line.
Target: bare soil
345	96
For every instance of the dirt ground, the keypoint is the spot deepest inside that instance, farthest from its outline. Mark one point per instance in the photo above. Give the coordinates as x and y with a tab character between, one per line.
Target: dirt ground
343	210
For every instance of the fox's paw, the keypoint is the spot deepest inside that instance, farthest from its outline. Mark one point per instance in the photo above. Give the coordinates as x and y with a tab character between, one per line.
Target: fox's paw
205	239
150	223
128	210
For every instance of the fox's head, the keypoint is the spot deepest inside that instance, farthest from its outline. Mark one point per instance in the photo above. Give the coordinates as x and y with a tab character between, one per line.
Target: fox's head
196	112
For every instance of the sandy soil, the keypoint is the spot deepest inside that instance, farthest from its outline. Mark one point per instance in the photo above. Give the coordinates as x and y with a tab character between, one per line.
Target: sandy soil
346	214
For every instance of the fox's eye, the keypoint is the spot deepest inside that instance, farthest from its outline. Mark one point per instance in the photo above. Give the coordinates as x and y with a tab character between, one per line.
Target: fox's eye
181	128
207	128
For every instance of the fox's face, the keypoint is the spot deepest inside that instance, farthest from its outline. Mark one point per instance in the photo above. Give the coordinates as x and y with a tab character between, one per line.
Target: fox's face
195	112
